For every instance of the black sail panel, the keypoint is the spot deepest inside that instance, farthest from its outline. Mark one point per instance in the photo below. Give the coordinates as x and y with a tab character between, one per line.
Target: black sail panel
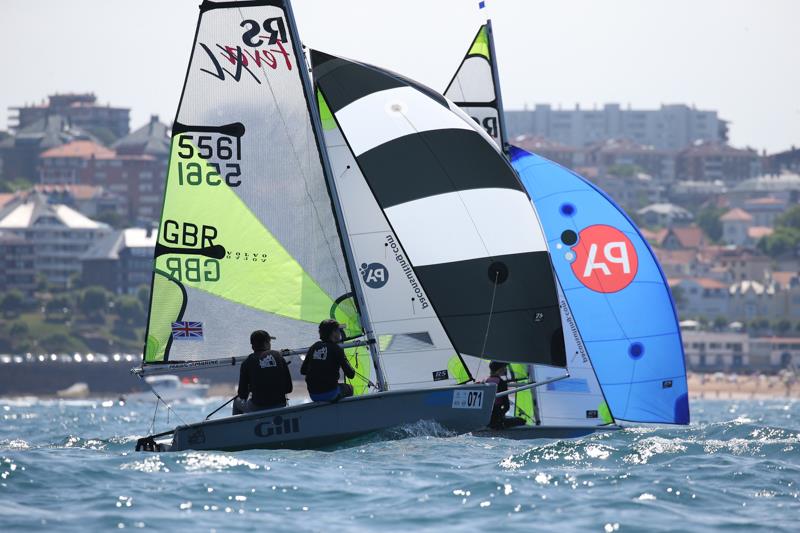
458	208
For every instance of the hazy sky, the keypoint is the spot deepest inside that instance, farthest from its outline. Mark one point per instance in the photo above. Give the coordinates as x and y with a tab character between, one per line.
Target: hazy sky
739	57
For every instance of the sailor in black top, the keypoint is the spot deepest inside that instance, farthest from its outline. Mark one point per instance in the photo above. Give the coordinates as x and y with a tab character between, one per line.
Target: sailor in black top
322	364
264	377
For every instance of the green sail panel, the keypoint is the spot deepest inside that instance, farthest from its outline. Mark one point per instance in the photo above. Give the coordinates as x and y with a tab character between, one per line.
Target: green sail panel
345	312
480	45
247	238
524	405
236	258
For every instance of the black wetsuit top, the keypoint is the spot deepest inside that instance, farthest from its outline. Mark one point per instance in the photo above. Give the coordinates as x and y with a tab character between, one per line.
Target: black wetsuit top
321	367
266	376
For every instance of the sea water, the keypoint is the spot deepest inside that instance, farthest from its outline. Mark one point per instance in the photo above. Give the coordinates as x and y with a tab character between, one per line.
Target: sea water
70	466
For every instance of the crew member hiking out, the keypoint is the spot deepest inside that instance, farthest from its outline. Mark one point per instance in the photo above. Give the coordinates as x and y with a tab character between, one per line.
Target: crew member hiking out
322	364
264	379
497	371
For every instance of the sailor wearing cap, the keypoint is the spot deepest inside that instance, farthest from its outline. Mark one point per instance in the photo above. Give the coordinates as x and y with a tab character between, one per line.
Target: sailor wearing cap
264	379
322	364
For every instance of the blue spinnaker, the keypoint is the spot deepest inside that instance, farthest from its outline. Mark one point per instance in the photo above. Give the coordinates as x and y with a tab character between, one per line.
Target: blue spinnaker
616	290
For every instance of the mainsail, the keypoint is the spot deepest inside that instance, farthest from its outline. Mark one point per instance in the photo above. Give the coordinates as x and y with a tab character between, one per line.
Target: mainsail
454	211
248	238
474	87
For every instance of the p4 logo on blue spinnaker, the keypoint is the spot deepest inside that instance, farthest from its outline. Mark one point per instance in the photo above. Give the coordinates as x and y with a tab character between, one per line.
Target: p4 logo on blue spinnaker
605	259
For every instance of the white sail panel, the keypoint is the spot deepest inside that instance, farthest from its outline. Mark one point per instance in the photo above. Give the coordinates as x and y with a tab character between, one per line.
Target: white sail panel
413	346
577	400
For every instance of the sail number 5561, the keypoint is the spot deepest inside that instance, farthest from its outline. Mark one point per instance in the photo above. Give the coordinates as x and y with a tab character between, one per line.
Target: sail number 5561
224	148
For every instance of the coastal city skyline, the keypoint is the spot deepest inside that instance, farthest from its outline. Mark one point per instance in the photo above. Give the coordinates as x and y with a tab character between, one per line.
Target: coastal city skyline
473	265
734	60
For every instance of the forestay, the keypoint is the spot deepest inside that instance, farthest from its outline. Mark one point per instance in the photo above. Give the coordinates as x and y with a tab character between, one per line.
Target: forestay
455	209
248	239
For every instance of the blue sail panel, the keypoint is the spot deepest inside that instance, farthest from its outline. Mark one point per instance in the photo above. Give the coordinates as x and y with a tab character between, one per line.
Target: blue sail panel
616	290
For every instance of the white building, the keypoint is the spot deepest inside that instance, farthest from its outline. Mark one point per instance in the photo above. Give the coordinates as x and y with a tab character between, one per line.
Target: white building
777	352
735	226
711	351
664	214
672	127
60	235
701	297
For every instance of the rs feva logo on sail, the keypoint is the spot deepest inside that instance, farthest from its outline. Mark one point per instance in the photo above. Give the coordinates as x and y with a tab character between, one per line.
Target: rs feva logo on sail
605	259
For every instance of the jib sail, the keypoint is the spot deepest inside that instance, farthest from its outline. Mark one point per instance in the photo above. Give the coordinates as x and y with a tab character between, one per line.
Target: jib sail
248	238
475	89
457	208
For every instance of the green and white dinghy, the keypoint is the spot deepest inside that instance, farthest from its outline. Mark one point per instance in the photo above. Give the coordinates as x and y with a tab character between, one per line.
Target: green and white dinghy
255	234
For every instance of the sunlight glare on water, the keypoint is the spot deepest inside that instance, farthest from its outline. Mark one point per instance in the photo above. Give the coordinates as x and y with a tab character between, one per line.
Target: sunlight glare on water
71	466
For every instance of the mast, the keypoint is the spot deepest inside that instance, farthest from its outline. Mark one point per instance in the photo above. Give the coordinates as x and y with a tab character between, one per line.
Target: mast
316	124
497	92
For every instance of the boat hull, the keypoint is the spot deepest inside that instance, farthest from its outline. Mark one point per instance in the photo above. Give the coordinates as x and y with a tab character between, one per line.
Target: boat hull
545	432
319	424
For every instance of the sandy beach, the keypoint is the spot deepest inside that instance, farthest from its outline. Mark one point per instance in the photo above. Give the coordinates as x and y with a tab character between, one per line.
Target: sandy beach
741	387
704	386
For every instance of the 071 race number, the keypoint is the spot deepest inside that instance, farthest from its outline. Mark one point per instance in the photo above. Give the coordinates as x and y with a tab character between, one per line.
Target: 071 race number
467	399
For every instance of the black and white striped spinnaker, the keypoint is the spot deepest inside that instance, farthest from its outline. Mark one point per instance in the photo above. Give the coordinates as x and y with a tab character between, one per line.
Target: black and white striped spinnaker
464	220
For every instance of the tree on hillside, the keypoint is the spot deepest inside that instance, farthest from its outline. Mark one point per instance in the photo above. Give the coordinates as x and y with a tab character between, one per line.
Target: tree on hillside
708	220
720	322
42	283
18	184
58	306
789	219
143	295
678	296
781	326
13	303
782	243
786	237
624	170
128	309
94	301
59	342
19	329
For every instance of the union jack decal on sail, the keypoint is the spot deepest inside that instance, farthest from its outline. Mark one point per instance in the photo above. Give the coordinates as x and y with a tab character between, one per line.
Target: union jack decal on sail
187	331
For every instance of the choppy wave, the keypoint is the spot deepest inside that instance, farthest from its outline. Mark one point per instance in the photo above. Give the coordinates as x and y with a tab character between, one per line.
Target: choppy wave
71	466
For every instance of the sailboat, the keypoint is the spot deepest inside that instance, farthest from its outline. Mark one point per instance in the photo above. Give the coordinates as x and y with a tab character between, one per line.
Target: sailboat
624	350
260	231
253	236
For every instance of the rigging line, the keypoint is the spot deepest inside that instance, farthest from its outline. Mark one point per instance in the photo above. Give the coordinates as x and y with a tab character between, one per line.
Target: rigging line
168	406
359	374
153	422
488	322
301	64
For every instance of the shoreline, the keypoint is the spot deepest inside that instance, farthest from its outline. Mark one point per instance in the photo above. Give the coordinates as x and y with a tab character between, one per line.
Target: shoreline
701	387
